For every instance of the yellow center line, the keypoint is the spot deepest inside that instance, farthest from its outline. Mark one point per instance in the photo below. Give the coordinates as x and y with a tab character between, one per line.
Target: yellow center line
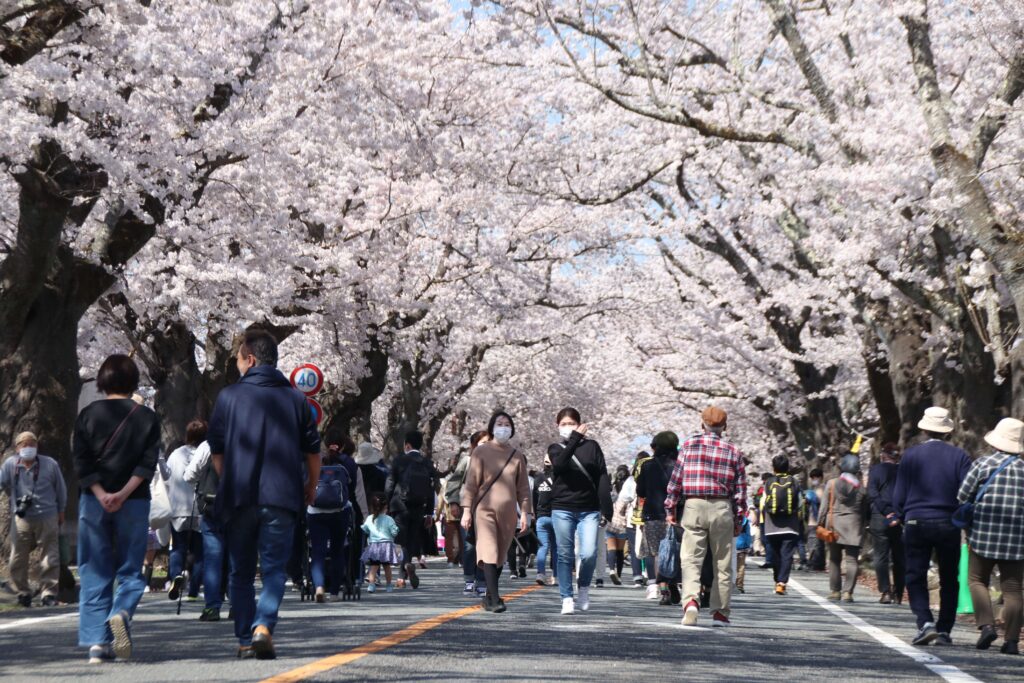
390	640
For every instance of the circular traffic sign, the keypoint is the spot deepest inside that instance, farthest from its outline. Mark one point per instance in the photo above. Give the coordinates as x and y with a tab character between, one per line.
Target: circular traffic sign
318	411
308	379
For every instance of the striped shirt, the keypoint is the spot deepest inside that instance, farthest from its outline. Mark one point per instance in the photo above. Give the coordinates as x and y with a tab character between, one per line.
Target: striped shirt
997	532
709	466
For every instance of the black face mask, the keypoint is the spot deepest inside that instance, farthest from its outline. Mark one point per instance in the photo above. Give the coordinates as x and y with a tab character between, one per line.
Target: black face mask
547	469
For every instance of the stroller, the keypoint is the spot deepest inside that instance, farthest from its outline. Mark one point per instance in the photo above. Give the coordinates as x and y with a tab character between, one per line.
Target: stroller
350	588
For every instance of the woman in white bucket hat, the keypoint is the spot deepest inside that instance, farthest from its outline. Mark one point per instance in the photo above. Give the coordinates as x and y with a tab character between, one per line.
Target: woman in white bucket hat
996	536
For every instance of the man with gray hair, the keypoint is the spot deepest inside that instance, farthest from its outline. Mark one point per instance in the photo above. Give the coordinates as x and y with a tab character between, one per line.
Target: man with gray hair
38	496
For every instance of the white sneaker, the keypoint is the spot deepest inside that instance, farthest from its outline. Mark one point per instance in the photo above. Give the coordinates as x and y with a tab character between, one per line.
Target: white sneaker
585	598
568	606
690	613
542	579
652	592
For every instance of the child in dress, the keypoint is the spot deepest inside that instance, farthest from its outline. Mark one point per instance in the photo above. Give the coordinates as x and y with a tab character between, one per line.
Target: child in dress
380	549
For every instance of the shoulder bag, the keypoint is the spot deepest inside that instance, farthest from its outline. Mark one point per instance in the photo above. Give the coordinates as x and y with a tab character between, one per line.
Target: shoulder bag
824	532
471	532
963	518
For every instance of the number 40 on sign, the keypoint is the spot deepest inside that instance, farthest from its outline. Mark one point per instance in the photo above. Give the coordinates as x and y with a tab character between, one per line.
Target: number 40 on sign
308	379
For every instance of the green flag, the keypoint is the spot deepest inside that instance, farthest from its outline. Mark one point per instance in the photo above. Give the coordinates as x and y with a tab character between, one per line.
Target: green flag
964	604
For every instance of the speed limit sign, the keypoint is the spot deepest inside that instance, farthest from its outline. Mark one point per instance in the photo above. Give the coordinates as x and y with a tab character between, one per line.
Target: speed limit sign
308	379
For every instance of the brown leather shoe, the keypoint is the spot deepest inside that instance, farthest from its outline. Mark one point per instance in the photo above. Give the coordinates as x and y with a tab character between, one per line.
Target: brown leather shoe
263	643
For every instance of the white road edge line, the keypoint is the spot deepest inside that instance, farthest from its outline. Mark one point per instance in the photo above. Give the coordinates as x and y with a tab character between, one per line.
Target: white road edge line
948	672
31	621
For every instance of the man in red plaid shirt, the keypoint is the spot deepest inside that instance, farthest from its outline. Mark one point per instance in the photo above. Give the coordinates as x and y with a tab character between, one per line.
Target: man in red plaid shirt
712	480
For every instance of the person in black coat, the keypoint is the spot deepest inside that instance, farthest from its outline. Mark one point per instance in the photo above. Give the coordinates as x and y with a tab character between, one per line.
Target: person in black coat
886	530
581	502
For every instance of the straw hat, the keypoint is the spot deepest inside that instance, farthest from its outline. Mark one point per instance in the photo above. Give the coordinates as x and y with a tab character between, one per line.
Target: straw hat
1008	436
937	421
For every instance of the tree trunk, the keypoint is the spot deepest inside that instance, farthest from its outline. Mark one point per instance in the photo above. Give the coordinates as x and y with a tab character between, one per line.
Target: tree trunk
351	413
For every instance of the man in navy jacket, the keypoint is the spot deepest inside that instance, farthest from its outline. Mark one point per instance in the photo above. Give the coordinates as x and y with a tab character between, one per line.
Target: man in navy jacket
264	441
925	498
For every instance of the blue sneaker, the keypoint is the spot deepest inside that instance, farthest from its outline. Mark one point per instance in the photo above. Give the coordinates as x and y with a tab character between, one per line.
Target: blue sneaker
389	588
372	588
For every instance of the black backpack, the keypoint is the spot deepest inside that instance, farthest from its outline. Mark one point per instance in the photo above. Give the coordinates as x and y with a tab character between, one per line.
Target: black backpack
780	496
417	481
206	489
332	488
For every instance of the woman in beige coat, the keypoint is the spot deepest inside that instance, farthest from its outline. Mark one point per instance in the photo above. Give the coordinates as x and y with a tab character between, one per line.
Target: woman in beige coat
845	511
496	483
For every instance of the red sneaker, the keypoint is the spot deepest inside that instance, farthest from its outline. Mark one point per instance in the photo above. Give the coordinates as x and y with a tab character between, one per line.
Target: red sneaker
719	619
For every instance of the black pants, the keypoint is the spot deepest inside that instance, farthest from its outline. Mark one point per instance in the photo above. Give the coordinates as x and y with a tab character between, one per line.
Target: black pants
890	557
921	538
782	546
412	533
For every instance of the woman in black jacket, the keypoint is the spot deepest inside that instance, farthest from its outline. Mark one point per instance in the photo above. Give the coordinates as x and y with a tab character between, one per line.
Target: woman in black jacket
115	448
651	488
581	503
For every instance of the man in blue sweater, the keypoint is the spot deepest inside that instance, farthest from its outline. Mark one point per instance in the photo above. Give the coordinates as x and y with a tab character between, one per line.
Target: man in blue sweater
925	497
263	439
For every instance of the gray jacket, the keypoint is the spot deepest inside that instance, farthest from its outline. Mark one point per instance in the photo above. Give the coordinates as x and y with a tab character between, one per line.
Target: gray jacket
43	481
849	511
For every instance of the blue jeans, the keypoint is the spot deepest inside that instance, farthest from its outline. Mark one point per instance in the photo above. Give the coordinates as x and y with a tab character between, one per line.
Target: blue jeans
566	523
213	565
182	543
546	537
272	529
110	545
327	536
470	570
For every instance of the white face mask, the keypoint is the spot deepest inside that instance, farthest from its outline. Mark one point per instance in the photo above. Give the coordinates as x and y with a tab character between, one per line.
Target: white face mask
566	432
815	482
502	434
28	453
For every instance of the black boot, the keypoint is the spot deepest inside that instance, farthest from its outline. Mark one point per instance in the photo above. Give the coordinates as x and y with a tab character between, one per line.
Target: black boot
675	595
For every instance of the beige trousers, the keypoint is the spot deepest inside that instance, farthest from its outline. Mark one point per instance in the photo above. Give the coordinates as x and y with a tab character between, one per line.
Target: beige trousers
29	534
707	525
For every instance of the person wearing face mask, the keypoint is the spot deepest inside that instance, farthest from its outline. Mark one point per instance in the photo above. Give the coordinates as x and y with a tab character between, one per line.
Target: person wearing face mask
38	496
496	482
263	442
581	497
543	488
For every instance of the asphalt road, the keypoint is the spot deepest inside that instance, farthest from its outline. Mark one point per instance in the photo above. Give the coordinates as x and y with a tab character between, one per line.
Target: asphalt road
623	637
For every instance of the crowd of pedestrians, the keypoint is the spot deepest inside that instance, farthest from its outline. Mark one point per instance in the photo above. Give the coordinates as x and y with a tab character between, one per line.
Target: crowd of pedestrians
257	490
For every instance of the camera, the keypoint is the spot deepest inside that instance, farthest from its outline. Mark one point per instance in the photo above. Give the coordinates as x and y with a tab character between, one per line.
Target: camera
23	504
